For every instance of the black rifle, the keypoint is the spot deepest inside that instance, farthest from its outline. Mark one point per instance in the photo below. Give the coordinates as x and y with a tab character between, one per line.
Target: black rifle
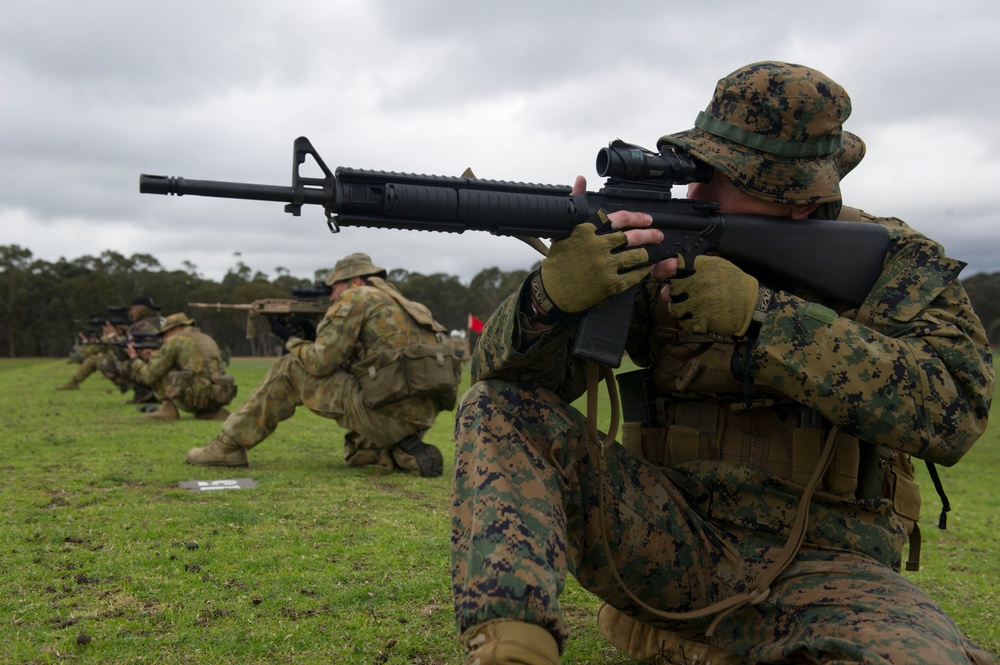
137	340
316	292
116	315
840	260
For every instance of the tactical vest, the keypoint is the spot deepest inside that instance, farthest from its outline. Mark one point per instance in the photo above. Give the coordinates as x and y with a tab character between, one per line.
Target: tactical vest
205	385
417	370
688	406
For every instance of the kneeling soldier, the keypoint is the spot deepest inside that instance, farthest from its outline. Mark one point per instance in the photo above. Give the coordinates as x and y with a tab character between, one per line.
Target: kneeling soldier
381	366
186	372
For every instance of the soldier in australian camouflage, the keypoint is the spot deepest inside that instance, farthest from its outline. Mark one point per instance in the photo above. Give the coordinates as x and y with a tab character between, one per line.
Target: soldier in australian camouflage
186	373
93	355
144	314
381	366
759	509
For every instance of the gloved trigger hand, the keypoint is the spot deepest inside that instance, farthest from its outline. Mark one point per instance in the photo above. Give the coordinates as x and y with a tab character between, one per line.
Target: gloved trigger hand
591	265
713	297
279	329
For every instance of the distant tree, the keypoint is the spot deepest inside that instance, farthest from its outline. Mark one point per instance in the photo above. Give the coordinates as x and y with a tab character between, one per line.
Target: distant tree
320	275
191	268
44	304
444	294
15	287
984	292
491	287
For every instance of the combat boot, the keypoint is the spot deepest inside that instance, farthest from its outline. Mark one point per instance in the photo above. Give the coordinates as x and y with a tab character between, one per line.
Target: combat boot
654	645
167	411
142	395
69	385
220	451
509	642
359	451
428	459
218	414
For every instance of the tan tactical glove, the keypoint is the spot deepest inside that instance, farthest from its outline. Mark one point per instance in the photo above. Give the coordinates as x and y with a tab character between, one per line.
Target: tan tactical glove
589	267
715	297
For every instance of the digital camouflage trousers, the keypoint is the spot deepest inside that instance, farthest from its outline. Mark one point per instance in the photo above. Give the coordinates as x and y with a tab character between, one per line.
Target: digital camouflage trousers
527	511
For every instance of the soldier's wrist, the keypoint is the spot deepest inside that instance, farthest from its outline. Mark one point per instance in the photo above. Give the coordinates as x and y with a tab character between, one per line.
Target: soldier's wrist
537	305
765	297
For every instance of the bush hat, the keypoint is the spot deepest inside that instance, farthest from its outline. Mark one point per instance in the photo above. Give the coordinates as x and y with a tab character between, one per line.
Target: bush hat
175	320
353	265
775	129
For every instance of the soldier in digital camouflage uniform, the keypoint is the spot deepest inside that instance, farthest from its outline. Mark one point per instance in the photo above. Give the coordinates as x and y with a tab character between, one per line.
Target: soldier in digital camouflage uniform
763	394
365	335
186	373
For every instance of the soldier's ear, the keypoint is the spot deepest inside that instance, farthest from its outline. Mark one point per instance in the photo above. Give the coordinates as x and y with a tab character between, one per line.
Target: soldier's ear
801	211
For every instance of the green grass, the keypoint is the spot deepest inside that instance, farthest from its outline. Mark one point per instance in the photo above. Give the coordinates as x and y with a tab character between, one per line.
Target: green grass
104	559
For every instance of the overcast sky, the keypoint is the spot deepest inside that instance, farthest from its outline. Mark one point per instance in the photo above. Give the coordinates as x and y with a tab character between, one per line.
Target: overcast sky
95	93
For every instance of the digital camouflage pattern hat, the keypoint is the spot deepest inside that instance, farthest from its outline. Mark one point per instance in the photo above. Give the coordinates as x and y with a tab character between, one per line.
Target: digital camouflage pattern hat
775	129
174	321
353	265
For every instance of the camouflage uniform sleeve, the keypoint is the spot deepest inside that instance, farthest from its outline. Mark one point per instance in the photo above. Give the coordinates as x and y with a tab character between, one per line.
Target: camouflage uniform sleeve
913	370
336	336
146	326
161	361
510	351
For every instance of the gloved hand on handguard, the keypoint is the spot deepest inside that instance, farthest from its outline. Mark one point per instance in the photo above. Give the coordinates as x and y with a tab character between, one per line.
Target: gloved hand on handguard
591	265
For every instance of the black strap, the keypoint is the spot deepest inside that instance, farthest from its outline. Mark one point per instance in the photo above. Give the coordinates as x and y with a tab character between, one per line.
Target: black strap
945	506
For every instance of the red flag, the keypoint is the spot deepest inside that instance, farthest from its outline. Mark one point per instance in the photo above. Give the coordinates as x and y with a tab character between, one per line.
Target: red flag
475	325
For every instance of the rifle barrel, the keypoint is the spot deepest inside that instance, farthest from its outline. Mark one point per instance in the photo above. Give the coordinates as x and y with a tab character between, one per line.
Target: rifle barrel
219	306
176	186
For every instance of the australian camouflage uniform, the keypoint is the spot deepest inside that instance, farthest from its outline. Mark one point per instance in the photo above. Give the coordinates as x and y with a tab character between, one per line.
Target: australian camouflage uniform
115	365
187	372
91	357
381	366
691	530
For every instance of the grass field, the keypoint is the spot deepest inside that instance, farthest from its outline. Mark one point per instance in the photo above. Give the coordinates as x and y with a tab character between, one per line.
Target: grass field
106	560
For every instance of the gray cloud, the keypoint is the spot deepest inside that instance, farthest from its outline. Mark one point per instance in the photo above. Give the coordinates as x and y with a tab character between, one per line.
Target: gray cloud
96	93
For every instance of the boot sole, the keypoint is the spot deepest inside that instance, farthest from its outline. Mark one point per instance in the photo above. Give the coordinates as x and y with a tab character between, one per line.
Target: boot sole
187	461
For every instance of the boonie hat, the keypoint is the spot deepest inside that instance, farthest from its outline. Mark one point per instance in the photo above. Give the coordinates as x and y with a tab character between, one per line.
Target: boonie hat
176	320
775	129
145	301
353	265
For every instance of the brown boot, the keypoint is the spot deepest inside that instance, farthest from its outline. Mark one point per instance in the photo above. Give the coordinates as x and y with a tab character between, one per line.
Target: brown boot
509	642
218	414
69	385
167	411
220	451
654	645
359	451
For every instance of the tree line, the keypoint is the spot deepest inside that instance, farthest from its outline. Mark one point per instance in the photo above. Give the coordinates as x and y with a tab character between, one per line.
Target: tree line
43	304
